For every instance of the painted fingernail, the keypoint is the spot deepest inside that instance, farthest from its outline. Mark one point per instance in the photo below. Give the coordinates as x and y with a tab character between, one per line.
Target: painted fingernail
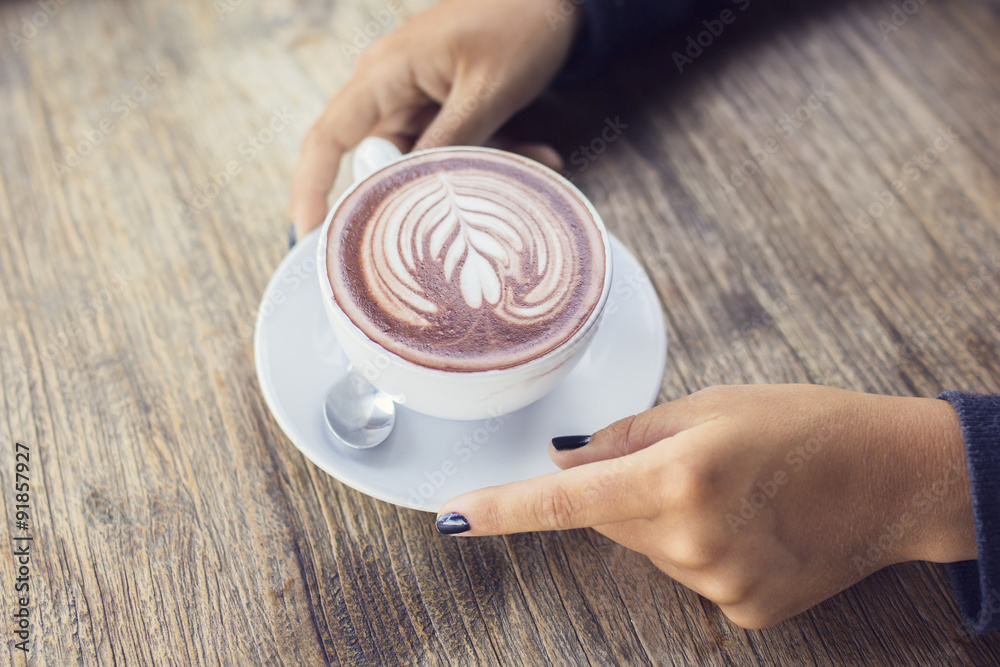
452	524
291	237
565	442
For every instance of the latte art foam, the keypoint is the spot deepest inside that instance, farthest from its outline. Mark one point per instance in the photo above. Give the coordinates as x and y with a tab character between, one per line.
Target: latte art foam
468	260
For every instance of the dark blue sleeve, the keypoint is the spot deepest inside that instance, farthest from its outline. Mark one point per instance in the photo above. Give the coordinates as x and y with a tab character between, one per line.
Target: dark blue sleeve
613	26
977	582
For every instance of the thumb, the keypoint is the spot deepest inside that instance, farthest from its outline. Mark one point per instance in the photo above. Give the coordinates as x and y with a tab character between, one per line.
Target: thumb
471	114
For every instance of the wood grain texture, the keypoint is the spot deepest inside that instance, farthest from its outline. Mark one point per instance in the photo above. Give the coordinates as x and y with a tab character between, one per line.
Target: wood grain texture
175	524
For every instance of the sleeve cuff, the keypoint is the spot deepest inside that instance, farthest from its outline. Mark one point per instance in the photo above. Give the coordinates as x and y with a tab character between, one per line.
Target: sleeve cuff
977	582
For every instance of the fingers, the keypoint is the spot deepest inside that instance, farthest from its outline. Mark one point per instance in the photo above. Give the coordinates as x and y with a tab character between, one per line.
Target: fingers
344	123
472	112
400	140
633	433
470	115
591	495
542	153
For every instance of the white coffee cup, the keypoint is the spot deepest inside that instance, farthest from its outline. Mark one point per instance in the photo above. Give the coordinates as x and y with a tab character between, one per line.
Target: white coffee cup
442	393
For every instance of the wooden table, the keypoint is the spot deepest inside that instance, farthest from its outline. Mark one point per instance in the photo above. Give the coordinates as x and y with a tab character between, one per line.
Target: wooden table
174	523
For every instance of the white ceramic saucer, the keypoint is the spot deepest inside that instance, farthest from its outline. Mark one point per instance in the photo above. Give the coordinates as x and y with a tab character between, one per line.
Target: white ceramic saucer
426	461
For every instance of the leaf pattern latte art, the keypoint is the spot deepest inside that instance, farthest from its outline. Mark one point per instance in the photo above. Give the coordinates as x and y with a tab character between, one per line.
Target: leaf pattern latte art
499	249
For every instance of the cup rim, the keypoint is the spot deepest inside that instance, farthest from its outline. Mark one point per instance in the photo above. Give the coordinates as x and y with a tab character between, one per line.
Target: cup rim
565	347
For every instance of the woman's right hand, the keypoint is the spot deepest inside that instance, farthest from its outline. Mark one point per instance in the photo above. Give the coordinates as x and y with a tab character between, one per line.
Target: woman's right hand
451	76
765	499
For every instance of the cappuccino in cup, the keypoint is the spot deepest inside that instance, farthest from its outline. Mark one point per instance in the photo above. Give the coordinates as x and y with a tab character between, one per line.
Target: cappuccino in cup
464	277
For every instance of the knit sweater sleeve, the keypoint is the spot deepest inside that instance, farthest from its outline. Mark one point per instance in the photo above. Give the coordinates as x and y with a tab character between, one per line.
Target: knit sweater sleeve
977	582
611	27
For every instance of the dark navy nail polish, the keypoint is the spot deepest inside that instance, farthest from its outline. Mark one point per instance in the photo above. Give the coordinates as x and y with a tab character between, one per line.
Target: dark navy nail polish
566	442
452	524
291	237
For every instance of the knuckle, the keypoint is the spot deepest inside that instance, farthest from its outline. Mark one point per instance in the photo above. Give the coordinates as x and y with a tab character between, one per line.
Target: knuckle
555	509
695	550
315	136
710	391
729	399
379	51
320	136
626	435
729	591
616	432
750	616
637	432
695	483
713	397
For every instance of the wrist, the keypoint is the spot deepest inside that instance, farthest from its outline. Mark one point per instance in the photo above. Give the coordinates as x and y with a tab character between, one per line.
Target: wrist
935	504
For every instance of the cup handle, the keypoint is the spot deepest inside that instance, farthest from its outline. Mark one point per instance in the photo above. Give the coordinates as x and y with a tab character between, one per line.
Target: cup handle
371	155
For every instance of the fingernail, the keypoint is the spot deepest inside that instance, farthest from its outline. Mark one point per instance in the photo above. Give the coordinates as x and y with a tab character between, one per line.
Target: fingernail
291	237
452	524
565	442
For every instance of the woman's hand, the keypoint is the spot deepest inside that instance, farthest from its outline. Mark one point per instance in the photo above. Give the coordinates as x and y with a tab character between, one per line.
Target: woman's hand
765	499
451	76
